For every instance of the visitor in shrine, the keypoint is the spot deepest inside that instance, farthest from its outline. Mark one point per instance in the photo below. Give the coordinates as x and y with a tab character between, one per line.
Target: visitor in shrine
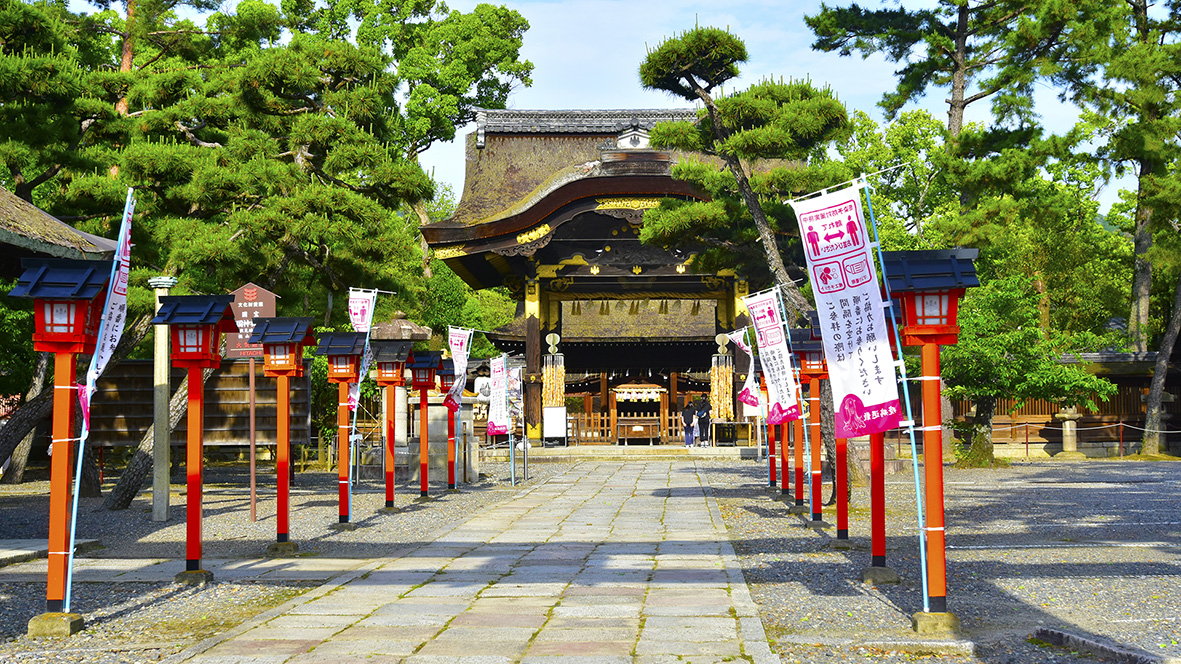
689	419
703	423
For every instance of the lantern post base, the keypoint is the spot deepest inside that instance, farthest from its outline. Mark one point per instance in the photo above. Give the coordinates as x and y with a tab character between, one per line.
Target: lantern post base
935	624
344	526
819	524
282	549
389	509
1074	455
799	509
880	575
194	577
842	543
56	624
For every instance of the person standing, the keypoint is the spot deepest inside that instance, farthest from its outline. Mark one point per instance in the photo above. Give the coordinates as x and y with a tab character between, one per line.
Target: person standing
703	423
689	419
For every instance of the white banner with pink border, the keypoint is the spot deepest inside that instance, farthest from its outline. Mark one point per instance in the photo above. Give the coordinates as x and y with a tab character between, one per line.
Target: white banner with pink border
849	301
774	356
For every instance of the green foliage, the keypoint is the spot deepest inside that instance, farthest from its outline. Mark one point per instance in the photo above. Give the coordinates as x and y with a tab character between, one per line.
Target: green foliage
764	137
1004	353
996	50
698	59
16	338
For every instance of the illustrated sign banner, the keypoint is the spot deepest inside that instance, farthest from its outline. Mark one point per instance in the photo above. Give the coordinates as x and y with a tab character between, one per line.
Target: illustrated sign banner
498	401
849	301
460	341
110	329
361	304
775	357
749	394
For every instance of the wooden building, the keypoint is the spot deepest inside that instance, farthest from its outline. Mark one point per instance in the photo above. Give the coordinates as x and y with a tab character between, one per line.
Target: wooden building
552	207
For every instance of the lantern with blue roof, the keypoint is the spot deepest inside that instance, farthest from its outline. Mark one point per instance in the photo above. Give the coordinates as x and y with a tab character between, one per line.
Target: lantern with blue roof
283	341
196	323
68	298
423	365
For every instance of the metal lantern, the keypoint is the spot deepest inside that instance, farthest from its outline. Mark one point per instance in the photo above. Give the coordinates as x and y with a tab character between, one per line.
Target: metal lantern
196	323
68	297
390	357
283	341
423	365
929	285
344	351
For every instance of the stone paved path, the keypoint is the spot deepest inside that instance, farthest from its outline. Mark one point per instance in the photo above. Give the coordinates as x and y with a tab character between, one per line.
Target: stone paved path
608	563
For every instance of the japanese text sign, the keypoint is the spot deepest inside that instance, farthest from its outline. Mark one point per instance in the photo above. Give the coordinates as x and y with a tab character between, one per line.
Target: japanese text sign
775	357
849	301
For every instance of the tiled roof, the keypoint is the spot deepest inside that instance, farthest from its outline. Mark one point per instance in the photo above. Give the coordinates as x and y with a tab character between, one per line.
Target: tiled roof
910	271
611	121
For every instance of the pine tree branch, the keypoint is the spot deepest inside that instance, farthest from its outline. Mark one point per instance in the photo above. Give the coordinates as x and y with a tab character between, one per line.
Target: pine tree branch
188	132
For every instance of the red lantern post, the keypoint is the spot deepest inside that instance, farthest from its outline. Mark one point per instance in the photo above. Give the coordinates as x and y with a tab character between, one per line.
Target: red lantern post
809	354
930	285
68	298
771	465
390	357
196	323
447	378
423	365
344	351
283	341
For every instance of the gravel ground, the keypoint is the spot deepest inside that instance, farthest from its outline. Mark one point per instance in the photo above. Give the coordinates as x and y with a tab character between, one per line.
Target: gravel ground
1089	548
145	622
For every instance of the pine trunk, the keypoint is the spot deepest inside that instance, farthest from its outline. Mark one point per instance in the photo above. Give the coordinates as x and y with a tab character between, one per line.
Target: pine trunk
20	456
142	462
1141	272
90	485
1153	420
959	76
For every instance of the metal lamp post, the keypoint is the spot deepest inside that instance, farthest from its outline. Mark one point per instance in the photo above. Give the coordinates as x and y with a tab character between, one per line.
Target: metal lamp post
68	298
929	285
344	351
283	341
196	323
390	357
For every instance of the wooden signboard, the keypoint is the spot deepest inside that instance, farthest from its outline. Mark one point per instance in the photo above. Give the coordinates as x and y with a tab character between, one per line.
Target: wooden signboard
250	302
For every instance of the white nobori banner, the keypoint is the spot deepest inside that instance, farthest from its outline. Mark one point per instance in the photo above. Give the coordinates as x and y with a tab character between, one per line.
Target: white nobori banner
774	356
110	330
849	301
498	401
459	340
361	304
749	394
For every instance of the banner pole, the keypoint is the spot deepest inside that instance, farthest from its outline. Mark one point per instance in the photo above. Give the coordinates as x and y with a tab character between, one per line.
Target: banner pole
95	369
901	368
